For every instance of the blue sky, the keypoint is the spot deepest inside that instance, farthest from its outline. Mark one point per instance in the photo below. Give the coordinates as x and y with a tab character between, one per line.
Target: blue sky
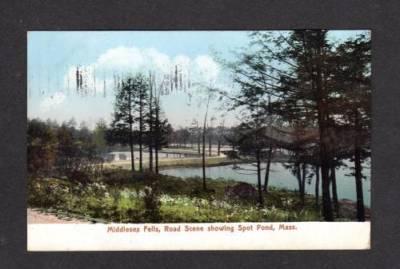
53	57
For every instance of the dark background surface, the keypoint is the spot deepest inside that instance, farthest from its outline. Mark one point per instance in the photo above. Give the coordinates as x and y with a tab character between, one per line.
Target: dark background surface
382	17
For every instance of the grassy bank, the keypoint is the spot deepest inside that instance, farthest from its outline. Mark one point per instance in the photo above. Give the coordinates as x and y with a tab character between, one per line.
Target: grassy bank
117	197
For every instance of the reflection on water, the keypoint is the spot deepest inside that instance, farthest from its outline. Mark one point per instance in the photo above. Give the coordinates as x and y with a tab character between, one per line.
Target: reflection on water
279	177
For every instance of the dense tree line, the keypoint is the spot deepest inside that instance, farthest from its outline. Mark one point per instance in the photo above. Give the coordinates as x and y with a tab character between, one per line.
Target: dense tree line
190	137
63	150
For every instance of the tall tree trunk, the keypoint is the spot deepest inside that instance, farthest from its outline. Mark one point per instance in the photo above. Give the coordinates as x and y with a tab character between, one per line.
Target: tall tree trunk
358	177
140	152
204	145
323	135
326	198
303	183
131	133
219	147
298	176
156	159
259	187
209	145
358	172
157	135
131	148
150	138
204	157
198	143
267	168
317	186
150	154
334	191
141	132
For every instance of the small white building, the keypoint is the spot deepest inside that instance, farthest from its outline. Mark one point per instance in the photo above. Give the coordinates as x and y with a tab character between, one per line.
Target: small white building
117	156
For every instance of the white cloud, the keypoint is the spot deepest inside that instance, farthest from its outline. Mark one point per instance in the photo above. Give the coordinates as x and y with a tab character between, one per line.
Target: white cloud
127	60
207	67
157	60
183	61
121	59
52	101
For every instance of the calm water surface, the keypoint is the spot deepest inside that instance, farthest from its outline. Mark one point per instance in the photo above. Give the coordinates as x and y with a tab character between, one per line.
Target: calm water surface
279	177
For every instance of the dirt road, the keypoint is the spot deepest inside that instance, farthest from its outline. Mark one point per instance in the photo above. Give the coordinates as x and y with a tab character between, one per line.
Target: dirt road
37	217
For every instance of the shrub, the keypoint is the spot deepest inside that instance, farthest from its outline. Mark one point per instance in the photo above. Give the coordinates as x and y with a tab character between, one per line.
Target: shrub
152	200
80	176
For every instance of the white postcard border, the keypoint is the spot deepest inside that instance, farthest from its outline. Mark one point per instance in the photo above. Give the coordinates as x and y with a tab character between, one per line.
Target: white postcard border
273	236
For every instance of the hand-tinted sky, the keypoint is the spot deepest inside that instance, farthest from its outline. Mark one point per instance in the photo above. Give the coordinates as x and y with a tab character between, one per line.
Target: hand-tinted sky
53	57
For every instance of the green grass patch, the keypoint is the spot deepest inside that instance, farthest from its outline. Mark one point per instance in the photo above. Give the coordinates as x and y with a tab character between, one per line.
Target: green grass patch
120	196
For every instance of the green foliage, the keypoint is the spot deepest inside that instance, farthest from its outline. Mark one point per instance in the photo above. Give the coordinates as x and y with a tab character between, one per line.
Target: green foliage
62	151
151	198
41	147
129	109
99	136
152	204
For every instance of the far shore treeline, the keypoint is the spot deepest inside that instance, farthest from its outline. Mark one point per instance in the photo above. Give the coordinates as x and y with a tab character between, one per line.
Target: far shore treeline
300	95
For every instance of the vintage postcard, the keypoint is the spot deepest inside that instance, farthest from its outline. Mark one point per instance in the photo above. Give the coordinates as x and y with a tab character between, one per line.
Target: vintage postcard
199	140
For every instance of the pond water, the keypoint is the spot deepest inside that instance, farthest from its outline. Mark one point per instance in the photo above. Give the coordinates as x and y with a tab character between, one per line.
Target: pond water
279	177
